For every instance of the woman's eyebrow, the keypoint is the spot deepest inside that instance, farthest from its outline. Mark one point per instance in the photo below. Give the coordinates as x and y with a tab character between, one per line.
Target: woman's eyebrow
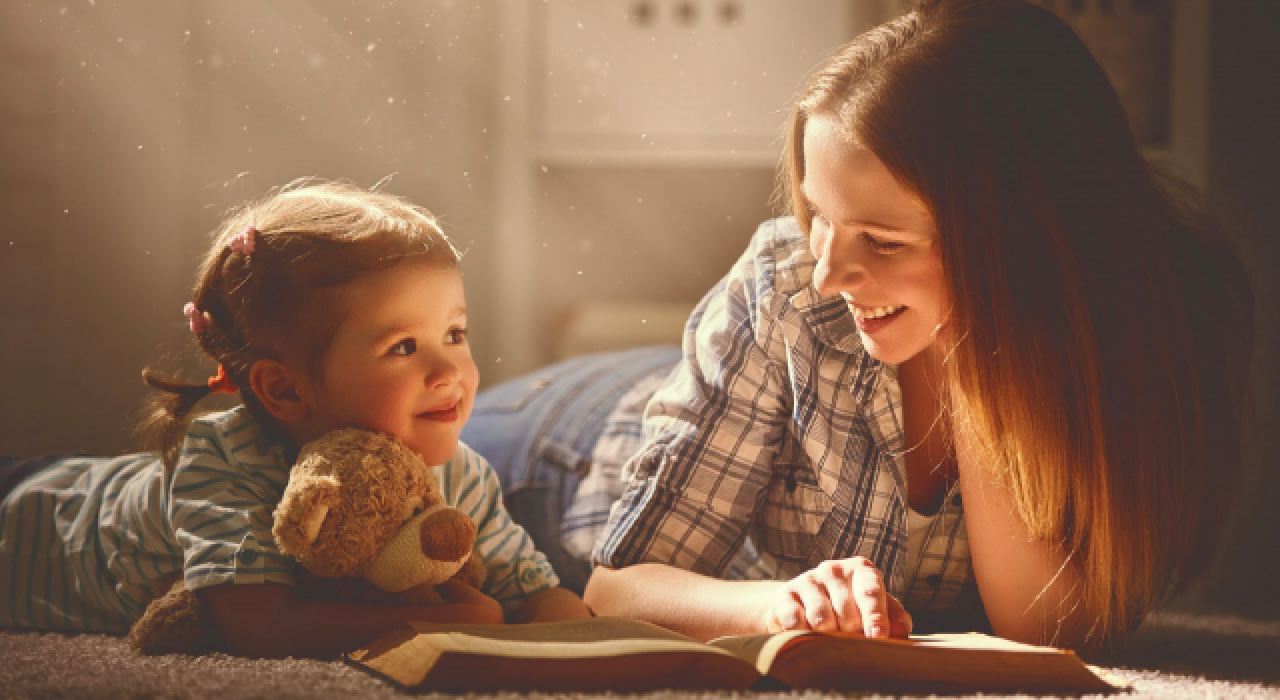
866	223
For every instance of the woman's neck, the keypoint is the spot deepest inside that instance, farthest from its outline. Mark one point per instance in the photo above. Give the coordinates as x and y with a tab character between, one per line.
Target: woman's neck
929	458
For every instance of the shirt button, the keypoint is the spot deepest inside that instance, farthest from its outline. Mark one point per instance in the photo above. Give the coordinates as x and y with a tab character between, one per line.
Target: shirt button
247	556
934	580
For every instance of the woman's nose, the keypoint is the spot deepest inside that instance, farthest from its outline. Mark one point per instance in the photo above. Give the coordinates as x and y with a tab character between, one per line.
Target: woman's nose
836	270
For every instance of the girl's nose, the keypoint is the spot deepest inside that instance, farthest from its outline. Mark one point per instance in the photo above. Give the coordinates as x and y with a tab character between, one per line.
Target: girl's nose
442	372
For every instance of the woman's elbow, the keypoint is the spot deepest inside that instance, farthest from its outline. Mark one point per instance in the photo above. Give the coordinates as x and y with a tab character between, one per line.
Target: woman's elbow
598	594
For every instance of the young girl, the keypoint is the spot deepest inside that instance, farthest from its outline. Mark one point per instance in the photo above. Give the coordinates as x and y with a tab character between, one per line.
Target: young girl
989	371
324	306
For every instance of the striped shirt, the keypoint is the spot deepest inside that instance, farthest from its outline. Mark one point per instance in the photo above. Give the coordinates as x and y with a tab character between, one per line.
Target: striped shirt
84	543
778	430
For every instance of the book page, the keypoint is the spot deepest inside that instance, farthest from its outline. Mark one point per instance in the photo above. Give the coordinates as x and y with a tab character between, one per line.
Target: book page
582	630
595	654
759	650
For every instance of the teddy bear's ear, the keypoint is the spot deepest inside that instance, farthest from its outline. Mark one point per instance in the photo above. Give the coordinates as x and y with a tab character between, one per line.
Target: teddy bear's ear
302	510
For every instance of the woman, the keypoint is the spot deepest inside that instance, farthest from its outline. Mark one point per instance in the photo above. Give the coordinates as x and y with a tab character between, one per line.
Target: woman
983	290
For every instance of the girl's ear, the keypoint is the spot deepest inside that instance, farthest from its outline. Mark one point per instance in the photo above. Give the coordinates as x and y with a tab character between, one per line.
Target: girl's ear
280	390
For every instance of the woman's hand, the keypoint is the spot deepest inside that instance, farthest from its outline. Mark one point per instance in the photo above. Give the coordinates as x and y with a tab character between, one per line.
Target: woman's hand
838	595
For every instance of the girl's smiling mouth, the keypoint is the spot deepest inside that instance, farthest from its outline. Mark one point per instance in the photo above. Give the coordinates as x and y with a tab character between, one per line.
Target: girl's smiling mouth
447	413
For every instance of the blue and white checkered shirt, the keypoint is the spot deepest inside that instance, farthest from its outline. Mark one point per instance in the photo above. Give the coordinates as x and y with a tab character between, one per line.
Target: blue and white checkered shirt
778	432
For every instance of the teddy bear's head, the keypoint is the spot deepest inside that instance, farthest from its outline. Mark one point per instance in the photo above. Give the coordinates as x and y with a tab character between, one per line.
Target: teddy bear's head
362	504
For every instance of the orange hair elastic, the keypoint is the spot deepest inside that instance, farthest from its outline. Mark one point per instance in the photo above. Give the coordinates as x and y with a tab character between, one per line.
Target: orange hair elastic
222	383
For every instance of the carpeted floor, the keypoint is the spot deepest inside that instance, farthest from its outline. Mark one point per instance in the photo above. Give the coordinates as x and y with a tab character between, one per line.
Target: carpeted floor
1174	655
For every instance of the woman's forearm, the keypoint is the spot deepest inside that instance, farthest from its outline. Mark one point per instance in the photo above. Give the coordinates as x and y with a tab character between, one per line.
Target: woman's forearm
695	605
1028	587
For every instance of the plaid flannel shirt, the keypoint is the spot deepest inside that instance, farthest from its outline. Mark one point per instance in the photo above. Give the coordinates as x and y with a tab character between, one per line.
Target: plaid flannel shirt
779	431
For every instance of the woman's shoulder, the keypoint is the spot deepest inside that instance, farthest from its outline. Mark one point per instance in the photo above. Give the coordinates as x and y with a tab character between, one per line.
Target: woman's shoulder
779	251
785	265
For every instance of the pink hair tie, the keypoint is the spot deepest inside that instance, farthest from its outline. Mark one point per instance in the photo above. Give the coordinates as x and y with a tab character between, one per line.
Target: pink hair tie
196	317
243	242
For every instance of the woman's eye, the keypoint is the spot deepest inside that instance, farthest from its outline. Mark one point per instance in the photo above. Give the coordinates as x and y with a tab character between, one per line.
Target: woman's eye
880	246
408	346
457	336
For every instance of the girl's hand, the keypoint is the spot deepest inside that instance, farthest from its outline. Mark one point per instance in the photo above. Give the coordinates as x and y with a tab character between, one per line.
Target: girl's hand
477	607
839	595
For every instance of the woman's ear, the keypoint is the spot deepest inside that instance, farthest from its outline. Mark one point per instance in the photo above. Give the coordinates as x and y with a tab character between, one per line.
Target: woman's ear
280	390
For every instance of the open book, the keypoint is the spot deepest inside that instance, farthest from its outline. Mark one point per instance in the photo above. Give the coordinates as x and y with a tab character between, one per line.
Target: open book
623	655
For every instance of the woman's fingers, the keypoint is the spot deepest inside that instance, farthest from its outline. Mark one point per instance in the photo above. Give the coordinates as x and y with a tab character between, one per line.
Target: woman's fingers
846	595
871	598
786	612
840	591
900	620
818	612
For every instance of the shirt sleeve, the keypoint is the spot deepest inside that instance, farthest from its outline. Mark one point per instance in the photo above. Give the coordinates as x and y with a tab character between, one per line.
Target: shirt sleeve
516	570
221	513
712	430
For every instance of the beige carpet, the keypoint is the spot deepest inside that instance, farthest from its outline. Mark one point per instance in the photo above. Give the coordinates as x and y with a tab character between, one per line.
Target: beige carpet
1174	655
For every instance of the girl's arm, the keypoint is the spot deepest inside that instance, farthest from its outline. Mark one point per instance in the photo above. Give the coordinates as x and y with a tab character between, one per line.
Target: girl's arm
551	604
264	620
838	595
1025	583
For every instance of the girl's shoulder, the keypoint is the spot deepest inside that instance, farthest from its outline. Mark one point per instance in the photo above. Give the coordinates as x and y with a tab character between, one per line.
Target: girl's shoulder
467	481
465	466
236	438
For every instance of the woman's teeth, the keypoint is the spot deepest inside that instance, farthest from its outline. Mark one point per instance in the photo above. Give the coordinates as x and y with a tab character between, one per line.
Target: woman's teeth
862	314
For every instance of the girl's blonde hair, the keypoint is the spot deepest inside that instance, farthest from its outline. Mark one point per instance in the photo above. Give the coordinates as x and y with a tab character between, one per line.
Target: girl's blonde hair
1102	324
283	301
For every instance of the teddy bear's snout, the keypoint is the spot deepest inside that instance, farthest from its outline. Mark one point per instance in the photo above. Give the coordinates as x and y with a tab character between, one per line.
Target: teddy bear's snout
428	549
447	535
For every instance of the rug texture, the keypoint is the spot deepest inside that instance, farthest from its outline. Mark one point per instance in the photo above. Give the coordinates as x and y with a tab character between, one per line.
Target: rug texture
1173	655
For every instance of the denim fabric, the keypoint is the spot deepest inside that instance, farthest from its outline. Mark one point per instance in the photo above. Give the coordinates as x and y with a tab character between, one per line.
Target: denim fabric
539	431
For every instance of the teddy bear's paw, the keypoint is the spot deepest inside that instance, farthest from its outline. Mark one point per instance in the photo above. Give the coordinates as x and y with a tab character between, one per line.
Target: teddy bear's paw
175	623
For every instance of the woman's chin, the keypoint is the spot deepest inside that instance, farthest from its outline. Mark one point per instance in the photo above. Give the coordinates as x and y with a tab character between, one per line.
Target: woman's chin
889	352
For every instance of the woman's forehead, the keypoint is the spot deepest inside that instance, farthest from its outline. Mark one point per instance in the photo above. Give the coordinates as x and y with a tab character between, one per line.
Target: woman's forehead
848	181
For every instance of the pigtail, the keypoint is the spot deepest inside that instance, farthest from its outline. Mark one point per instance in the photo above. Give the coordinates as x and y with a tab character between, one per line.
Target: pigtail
164	423
169	411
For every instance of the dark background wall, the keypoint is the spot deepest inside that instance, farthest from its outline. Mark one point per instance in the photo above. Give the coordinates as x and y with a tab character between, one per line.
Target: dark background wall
1244	190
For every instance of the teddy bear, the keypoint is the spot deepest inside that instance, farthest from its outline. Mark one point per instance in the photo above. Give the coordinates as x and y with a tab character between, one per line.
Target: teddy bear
365	518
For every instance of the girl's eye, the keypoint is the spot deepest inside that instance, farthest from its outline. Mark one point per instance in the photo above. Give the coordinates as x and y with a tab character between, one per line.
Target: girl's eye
408	346
880	246
457	336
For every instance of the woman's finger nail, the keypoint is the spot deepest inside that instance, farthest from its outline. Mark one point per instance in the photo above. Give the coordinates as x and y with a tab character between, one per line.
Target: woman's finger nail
873	631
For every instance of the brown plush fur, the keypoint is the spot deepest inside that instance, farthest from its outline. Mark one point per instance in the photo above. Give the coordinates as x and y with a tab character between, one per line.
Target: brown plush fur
365	480
348	496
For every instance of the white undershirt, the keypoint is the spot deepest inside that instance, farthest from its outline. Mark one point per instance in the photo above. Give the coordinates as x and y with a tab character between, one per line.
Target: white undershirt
917	528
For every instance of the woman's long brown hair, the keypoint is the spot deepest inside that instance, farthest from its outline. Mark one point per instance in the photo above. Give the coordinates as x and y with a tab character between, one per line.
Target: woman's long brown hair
1102	323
